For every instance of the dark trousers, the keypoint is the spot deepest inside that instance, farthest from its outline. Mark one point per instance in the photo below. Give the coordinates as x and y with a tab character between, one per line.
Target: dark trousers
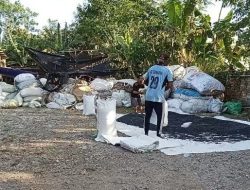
149	106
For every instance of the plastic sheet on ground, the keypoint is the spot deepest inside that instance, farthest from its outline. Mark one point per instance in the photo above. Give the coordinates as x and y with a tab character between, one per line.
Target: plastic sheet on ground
171	146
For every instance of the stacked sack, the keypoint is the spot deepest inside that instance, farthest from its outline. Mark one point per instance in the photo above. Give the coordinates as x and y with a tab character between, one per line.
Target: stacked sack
122	92
9	96
80	89
30	90
193	91
98	89
58	100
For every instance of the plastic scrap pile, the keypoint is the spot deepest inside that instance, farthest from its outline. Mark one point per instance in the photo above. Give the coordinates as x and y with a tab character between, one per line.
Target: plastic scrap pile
27	91
194	91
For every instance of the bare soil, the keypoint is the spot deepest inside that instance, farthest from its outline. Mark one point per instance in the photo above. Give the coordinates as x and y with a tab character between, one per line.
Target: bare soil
54	149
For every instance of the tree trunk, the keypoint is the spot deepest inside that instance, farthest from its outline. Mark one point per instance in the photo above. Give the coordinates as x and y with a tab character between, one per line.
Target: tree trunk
17	51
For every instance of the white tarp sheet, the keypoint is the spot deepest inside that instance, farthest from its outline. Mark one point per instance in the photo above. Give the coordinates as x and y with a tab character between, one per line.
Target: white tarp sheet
171	146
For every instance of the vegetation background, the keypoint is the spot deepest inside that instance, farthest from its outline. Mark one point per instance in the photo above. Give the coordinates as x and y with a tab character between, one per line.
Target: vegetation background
134	32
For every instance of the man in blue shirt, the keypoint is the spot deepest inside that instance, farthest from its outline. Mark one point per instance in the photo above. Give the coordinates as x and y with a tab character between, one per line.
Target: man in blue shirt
158	79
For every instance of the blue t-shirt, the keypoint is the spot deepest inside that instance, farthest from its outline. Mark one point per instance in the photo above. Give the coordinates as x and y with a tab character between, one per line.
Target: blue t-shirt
157	77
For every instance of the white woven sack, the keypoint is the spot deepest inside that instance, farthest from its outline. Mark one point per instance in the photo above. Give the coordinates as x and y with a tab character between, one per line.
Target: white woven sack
24	77
19	99
119	96
64	99
53	105
4	95
88	105
32	91
178	84
7	87
32	98
106	119
11	95
100	85
203	83
175	103
192	69
27	84
43	81
34	104
186	98
178	71
195	106
79	106
10	104
215	105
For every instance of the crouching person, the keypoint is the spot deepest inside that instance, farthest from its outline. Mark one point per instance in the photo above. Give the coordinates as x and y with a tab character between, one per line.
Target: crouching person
136	95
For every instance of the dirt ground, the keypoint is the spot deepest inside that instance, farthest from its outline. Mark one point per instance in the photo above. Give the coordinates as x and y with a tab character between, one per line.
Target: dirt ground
52	149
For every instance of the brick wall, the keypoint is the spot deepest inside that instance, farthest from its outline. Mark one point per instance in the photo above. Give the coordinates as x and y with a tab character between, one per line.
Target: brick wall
238	88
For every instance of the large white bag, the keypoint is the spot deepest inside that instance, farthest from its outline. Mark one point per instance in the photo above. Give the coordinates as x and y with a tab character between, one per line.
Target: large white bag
178	71
100	85
88	105
32	98
106	119
53	105
1	94
175	103
192	69
7	87
19	99
195	106
63	99
203	83
32	91
215	105
28	84
118	96
10	104
24	77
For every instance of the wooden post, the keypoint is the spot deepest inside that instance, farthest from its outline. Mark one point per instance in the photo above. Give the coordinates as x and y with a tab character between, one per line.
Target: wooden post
3	58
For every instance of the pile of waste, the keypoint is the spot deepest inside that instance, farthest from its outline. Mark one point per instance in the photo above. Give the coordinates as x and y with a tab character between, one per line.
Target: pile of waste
27	91
195	91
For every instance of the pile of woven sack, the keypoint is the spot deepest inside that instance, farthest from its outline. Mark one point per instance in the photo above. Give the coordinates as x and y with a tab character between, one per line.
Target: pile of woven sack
195	91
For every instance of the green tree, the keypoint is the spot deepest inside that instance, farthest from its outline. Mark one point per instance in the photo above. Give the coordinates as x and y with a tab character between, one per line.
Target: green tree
16	24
